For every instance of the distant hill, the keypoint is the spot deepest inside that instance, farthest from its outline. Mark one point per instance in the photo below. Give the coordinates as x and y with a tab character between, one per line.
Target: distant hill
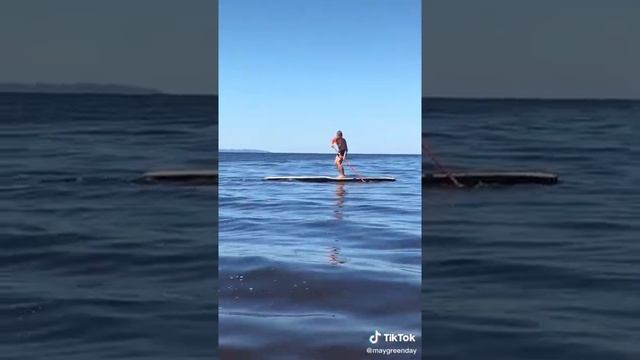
76	88
243	150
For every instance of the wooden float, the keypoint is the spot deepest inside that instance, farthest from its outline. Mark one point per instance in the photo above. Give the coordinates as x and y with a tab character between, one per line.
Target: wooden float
182	176
471	179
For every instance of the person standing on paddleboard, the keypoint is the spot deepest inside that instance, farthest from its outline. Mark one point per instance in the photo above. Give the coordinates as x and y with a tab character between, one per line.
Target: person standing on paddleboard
339	144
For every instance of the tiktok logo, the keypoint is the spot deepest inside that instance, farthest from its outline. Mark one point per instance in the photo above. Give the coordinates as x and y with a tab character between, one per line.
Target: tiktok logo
374	338
392	337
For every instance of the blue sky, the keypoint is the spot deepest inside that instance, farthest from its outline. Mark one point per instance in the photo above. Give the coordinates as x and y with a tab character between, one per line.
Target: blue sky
538	48
167	45
293	72
488	48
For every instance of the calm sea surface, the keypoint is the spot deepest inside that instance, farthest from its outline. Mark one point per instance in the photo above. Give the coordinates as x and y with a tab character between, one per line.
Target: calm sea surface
93	264
312	270
534	272
97	265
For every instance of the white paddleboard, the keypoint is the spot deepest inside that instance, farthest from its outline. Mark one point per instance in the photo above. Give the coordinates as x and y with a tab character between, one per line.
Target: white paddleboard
330	179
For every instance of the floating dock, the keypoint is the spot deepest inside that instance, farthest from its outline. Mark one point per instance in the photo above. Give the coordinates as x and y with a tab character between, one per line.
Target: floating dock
182	176
471	179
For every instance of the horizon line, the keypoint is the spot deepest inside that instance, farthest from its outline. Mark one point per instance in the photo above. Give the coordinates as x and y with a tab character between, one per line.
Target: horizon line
255	151
532	98
156	92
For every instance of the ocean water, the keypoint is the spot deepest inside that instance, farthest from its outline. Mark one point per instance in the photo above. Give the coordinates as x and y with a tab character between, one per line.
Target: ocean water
98	265
312	270
529	271
94	264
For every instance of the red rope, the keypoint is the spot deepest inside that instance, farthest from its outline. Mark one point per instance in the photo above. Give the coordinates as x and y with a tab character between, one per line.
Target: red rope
358	176
354	170
433	158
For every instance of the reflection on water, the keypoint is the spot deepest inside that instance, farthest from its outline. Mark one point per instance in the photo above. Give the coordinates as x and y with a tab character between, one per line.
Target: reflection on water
340	194
334	256
334	251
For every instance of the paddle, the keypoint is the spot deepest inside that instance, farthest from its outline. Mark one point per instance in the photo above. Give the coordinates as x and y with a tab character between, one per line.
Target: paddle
427	149
344	159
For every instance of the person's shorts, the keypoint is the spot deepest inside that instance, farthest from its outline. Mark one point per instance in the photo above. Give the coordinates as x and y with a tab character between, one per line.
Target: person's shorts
341	153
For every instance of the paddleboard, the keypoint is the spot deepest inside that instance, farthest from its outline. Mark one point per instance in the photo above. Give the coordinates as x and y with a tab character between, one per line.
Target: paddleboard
502	178
321	179
208	176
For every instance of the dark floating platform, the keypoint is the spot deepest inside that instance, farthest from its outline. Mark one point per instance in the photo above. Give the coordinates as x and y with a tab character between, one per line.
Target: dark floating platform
211	177
324	179
183	176
471	179
468	179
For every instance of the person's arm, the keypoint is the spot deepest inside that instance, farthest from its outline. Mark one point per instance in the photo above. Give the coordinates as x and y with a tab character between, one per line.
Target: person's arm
346	149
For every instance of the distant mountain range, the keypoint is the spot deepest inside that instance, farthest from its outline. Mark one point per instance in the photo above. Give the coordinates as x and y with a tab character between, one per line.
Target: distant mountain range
76	88
243	150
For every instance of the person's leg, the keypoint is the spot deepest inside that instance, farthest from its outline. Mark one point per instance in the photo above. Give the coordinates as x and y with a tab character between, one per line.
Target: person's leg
340	167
